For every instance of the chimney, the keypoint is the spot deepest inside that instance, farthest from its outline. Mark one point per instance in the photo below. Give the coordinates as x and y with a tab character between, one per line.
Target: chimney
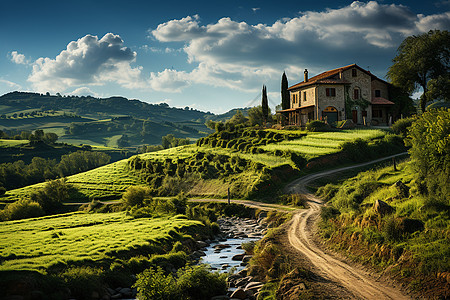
306	75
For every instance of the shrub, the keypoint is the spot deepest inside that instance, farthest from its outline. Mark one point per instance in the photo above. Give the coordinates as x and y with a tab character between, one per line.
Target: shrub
153	284
53	195
328	212
316	125
82	281
402	125
22	209
135	196
2	191
198	282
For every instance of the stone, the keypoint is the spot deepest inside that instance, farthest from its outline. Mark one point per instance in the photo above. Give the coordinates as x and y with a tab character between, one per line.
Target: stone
221	246
382	207
239	294
110	291
246	258
202	244
238	257
126	292
254	285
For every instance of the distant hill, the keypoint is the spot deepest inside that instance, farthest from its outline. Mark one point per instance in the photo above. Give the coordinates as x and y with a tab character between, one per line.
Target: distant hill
114	121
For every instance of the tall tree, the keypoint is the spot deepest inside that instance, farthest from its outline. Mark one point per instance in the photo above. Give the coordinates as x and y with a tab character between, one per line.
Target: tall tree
420	59
265	104
285	103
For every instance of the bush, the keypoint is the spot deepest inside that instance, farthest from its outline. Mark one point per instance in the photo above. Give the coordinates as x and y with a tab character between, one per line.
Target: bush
153	284
53	195
328	212
190	283
135	196
2	191
22	209
402	125
316	125
199	283
82	281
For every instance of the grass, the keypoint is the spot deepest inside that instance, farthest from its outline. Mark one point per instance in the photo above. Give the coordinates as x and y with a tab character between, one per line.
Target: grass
12	143
40	243
322	143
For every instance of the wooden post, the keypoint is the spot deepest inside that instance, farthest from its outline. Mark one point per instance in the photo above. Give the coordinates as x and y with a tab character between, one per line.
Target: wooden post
395	165
229	199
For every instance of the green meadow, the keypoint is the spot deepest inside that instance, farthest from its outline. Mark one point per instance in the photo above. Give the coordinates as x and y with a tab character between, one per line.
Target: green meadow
41	243
322	143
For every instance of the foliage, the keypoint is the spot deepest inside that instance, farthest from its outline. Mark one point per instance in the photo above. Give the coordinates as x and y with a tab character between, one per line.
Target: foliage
195	282
264	105
429	138
17	174
439	89
316	125
419	59
52	196
21	209
136	196
401	126
257	116
403	103
285	101
82	281
170	141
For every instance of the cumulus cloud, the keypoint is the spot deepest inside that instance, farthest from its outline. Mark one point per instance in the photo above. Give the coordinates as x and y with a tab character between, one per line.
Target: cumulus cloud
169	81
83	91
89	60
237	54
18	58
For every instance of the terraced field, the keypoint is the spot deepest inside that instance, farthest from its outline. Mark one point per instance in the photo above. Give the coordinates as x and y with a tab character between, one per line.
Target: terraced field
322	143
41	243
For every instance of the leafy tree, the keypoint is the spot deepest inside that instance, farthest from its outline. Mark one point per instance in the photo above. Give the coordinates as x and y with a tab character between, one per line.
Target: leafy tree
238	118
429	139
255	116
50	137
135	196
285	103
53	195
420	59
264	105
439	89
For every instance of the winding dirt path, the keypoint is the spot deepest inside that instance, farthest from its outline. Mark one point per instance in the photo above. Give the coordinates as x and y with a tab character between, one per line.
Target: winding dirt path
300	234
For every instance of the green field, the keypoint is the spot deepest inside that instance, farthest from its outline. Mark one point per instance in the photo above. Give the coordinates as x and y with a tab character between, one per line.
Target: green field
321	143
38	244
12	143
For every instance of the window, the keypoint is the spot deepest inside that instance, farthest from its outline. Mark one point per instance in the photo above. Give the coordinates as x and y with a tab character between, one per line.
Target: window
330	92
356	94
304	96
377	93
377	113
354	73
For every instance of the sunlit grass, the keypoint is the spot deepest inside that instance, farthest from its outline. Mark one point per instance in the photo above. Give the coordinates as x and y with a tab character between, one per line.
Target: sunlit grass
37	244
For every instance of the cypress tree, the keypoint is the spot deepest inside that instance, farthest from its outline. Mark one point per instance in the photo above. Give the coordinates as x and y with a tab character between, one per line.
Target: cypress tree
285	103
264	105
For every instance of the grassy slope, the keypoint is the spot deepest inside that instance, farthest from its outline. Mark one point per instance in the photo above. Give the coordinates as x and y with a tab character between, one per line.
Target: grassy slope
109	182
415	254
37	244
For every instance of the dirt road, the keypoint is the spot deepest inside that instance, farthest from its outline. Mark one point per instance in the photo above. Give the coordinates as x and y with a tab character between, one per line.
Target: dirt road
300	234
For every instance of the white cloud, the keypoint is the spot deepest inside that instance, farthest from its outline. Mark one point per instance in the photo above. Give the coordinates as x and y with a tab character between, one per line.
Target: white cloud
169	81
10	84
88	61
84	91
241	56
18	58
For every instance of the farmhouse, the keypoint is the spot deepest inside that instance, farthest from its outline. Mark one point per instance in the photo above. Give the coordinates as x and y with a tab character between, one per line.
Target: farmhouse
344	93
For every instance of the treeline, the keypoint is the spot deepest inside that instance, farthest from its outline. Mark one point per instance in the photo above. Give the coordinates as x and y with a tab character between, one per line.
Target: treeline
19	174
37	135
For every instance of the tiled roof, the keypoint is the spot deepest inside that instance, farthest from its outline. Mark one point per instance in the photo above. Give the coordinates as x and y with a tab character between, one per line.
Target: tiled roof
381	101
324	78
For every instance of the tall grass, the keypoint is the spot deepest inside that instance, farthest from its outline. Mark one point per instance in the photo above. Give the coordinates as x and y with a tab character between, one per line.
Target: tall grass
40	243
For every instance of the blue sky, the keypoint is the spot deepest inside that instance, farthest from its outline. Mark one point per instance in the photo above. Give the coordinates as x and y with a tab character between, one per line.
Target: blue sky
209	55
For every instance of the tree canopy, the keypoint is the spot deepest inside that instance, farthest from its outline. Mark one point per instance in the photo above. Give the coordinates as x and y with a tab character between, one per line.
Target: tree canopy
420	59
284	92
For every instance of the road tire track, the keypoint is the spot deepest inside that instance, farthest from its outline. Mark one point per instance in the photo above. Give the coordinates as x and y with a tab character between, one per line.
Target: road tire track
300	235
